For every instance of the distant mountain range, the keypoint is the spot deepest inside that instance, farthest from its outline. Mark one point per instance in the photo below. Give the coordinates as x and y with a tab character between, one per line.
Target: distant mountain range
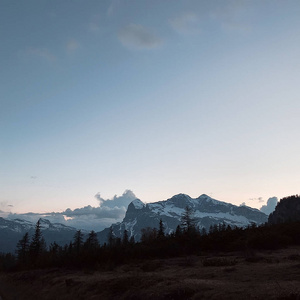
11	231
207	212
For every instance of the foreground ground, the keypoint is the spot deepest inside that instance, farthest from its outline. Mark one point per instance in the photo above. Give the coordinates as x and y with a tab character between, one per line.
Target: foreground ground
260	275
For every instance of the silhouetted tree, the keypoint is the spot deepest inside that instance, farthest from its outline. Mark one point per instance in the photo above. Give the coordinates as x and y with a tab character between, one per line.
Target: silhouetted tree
187	219
92	242
23	248
161	230
178	231
78	241
148	235
37	245
111	237
125	239
132	240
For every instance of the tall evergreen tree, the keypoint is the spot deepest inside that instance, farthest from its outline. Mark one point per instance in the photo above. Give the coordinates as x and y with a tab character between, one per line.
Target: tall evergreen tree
111	237
78	241
37	245
92	242
125	239
161	230
23	248
188	220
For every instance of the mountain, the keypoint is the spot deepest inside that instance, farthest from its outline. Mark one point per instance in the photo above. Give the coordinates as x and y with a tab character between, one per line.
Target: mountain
287	210
11	231
207	212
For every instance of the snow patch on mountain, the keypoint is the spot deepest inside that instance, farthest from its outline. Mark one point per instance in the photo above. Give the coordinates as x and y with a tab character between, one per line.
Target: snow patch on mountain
207	212
138	204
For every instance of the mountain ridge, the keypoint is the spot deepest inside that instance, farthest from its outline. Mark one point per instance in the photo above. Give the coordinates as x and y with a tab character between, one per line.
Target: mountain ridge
207	212
11	231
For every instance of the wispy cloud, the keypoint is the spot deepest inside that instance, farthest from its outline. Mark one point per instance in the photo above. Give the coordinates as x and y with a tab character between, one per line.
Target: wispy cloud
93	25
137	37
259	199
230	15
42	53
114	4
72	45
187	23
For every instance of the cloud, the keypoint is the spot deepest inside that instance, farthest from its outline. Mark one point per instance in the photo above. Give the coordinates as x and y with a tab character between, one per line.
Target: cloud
136	37
121	201
270	207
231	15
112	7
259	199
72	45
42	53
94	26
88	217
4	205
96	212
187	23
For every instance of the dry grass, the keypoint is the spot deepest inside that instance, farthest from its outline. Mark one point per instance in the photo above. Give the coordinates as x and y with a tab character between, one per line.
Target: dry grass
264	275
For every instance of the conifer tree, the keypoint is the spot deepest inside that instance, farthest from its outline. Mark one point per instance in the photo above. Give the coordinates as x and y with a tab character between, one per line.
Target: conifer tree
161	230
92	242
187	219
125	239
37	245
23	248
111	237
78	241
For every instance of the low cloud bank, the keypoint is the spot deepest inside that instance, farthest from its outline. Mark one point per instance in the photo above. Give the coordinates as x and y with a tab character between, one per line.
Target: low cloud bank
88	217
270	207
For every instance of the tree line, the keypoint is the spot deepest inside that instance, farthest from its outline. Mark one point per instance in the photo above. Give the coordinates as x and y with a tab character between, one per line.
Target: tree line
155	243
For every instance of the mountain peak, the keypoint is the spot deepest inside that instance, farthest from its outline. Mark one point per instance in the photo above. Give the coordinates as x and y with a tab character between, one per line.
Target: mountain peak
138	204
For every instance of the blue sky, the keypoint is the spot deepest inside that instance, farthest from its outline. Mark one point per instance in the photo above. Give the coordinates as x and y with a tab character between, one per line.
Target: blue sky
159	97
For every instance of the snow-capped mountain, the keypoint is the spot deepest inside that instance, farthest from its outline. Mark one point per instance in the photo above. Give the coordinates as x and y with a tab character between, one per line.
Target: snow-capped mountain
11	231
207	212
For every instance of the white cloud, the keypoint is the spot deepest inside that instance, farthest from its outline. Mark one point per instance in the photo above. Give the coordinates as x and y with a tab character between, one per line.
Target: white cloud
108	212
270	207
137	37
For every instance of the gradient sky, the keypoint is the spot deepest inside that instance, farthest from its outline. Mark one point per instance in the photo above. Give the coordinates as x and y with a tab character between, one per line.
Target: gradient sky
160	97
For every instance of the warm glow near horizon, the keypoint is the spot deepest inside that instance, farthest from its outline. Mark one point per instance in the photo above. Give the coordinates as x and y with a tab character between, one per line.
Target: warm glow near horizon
197	97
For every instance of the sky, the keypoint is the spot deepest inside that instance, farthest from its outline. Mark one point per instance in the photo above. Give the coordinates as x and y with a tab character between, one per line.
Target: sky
121	99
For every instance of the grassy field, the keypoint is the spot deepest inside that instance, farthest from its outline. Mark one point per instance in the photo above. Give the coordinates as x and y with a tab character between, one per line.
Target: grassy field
259	275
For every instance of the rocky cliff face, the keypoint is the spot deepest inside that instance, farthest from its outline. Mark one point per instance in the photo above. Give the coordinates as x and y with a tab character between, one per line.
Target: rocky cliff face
207	212
288	209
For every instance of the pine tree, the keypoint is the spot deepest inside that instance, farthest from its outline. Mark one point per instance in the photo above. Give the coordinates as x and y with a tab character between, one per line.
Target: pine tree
125	239
37	245
161	230
187	219
78	241
92	242
23	248
111	237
